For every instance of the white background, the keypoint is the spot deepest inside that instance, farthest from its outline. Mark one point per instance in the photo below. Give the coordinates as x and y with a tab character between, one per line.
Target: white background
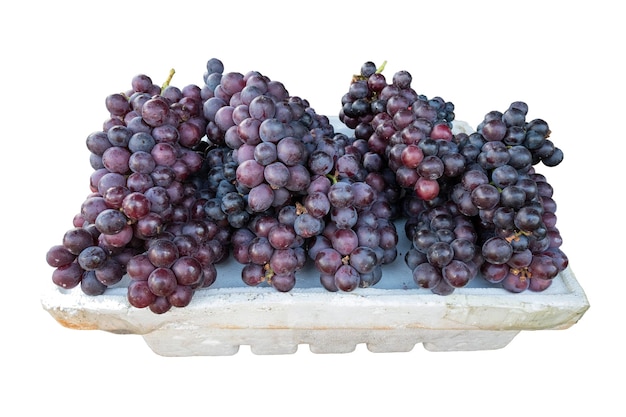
59	61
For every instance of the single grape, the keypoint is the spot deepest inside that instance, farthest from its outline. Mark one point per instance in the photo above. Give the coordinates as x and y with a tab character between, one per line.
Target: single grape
347	278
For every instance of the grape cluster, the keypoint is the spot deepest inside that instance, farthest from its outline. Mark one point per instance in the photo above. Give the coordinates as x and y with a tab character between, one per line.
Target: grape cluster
285	182
410	130
503	206
144	217
444	252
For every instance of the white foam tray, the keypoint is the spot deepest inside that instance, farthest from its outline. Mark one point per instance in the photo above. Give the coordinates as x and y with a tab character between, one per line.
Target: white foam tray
221	319
392	316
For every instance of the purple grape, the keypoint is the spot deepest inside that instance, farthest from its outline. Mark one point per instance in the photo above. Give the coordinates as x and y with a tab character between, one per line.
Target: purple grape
92	258
90	285
110	273
60	255
188	271
283	261
457	273
497	250
290	151
283	282
181	297
67	276
363	259
253	274
347	278
163	253
139	294
344	241
276	174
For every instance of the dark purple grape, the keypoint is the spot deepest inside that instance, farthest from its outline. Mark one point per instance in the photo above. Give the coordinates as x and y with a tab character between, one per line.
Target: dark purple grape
253	274
276	174
538	284
139	267
163	253
161	282
485	196
457	273
317	204
281	236
528	219
439	254
341	194
320	162
328	260
543	267
188	271
136	205
347	278
344	241
426	275
515	283
110	272
283	261
181	297
260	198
424	239
260	250
363	259
463	249
111	221
90	285
512	196
92	257
75	240
291	151
494	130
284	282
371	278
67	276
426	189
497	250
431	167
60	255
494	273
250	173
139	294
307	226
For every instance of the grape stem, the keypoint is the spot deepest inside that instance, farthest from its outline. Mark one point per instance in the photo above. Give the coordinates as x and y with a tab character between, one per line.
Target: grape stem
269	273
168	80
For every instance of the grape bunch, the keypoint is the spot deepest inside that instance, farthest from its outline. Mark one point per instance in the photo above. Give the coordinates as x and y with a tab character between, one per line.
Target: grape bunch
410	130
505	201
444	252
358	239
144	217
290	183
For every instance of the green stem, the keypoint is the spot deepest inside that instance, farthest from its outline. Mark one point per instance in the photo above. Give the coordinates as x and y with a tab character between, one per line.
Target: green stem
168	80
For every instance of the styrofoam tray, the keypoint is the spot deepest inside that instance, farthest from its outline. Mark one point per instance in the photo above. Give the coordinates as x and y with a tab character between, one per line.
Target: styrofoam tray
392	316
